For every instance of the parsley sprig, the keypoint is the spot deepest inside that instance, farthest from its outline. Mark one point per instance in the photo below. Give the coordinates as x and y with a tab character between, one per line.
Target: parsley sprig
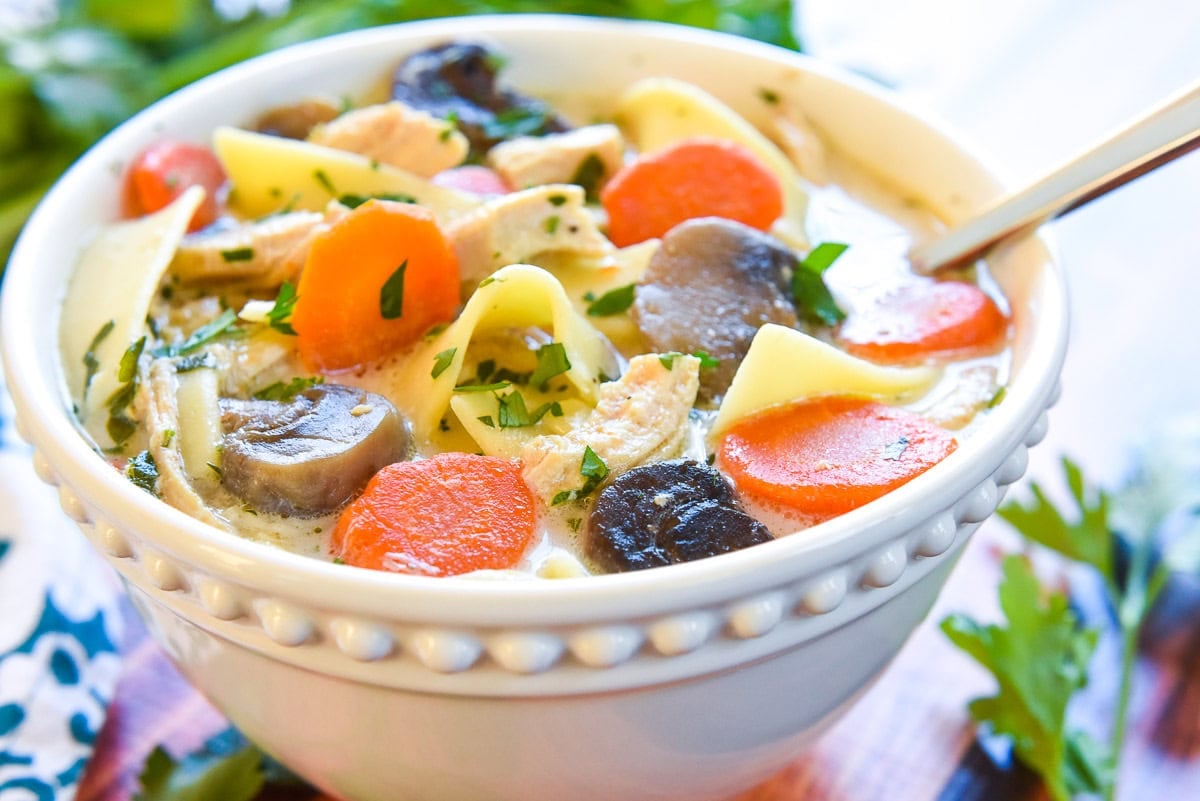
813	300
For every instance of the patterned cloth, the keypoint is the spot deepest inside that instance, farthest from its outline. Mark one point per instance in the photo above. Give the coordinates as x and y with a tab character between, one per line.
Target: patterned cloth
59	630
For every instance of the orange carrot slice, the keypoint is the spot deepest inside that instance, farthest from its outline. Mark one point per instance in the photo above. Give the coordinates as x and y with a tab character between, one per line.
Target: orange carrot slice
167	169
695	178
373	283
826	456
925	320
451	514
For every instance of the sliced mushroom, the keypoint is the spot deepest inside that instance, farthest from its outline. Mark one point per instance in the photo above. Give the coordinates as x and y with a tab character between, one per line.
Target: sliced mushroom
308	456
666	513
710	286
457	81
297	120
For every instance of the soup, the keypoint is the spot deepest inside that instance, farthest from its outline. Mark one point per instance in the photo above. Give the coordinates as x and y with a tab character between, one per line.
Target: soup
455	330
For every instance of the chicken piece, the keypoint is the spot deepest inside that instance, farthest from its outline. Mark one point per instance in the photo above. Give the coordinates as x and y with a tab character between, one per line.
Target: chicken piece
260	254
512	228
396	134
791	130
558	158
162	423
642	417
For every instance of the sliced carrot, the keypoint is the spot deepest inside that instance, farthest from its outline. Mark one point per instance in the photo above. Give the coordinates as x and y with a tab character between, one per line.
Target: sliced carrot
695	178
163	171
473	178
826	456
451	514
922	320
382	258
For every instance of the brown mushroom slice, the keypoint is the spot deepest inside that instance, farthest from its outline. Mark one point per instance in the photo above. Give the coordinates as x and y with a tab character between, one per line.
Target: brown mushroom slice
307	456
297	120
710	286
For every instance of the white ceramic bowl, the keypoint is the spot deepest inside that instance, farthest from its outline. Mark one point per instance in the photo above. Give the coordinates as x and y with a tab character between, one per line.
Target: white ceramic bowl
692	681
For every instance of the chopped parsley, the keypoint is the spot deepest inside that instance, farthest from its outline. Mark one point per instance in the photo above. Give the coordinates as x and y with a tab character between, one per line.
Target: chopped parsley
593	470
487	420
321	177
143	472
768	96
201	336
551	224
168	437
391	294
574	523
557	200
354	201
809	292
442	362
514	413
494	387
614	301
237	254
998	398
707	361
280	315
280	391
119	426
667	360
522	120
489	280
551	361
588	175
217	471
196	361
90	361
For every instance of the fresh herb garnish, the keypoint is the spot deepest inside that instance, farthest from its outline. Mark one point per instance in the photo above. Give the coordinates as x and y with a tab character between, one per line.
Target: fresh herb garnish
119	426
196	361
168	437
574	523
667	360
523	120
201	336
354	201
489	280
487	420
495	387
768	96
588	175
143	472
809	292
593	470
238	254
217	471
557	200
707	361
280	315
514	413
614	301
551	361
280	391
391	294
442	362
551	224
322	177
90	362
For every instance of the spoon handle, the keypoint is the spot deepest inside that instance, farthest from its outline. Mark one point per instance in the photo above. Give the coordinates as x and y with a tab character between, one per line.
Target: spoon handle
1163	134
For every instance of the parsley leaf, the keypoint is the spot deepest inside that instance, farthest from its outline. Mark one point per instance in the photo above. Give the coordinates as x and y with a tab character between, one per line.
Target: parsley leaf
90	361
280	315
233	777
280	391
322	177
809	292
551	361
354	201
391	294
588	175
614	301
201	336
495	387
1039	659
593	470
237	254
442	362
143	472
521	120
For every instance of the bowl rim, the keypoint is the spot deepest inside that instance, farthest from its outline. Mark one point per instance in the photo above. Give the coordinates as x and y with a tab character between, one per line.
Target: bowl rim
46	418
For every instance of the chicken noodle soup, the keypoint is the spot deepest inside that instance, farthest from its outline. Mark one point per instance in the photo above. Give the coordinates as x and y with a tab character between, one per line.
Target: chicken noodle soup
457	331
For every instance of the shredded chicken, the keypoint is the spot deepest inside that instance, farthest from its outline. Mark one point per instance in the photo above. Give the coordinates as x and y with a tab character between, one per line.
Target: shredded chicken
396	134
162	423
513	228
641	418
557	158
793	133
255	254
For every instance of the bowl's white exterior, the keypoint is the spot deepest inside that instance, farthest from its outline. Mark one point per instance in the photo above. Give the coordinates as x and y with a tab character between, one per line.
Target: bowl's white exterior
692	681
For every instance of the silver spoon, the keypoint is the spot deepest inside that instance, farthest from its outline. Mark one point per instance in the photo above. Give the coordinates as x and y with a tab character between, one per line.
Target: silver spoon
1163	134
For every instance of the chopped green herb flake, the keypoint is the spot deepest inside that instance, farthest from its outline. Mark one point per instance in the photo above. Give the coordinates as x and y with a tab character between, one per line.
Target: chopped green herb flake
391	295
513	413
487	420
557	200
998	398
217	471
551	361
496	387
436	329
196	361
485	371
523	120
574	523
129	361
248	509
143	472
588	175
551	224
442	362
168	437
337	560
769	96
489	280
280	315
667	360
354	201
707	362
322	178
593	470
280	391
614	301
238	254
201	335
90	361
